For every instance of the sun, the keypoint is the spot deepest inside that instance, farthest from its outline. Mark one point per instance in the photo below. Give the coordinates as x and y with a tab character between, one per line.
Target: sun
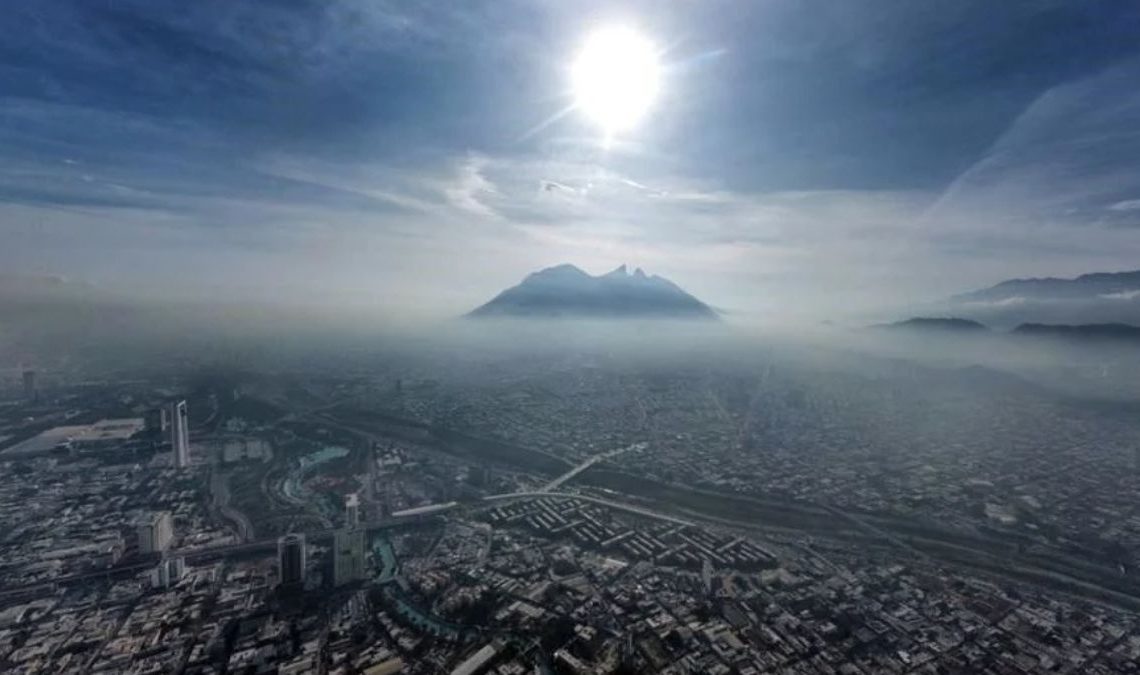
616	78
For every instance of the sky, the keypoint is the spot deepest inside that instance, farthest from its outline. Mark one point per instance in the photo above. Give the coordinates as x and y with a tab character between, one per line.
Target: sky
423	155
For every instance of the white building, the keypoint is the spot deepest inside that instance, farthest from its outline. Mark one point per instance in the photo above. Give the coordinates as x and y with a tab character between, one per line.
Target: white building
156	531
168	573
180	435
352	511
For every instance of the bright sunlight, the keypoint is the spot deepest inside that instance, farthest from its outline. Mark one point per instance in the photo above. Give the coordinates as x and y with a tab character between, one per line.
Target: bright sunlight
616	77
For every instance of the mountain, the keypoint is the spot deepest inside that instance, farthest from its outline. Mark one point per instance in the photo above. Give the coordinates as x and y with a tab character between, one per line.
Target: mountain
1096	286
1073	332
567	291
947	324
1092	331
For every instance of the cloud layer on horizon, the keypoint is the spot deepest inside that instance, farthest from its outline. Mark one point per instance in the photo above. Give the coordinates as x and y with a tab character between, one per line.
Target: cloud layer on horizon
804	154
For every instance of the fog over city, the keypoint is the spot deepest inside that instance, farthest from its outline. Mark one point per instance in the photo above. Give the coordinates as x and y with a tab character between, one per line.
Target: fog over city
364	337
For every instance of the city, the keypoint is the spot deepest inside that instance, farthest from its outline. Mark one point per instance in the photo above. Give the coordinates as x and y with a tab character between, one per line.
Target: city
609	516
532	337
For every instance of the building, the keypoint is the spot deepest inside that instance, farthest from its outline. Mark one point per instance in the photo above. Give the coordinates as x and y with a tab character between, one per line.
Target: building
156	420
387	667
478	662
156	532
352	511
291	558
30	385
348	556
180	435
168	573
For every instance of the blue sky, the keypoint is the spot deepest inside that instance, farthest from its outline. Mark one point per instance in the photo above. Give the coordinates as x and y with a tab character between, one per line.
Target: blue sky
803	153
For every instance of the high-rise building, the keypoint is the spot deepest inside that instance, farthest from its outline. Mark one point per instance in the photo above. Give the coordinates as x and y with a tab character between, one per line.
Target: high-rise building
156	531
180	435
348	556
30	385
156	420
291	558
352	511
168	573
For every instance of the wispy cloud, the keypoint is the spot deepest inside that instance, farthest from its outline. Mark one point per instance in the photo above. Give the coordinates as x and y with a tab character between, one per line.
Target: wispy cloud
384	145
1125	205
469	190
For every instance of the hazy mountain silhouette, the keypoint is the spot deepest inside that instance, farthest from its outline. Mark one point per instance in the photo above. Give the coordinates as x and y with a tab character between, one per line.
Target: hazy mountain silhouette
1096	286
1092	331
1069	332
567	291
937	324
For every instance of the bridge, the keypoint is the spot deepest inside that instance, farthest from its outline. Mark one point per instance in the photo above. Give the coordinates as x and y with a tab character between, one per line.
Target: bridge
557	482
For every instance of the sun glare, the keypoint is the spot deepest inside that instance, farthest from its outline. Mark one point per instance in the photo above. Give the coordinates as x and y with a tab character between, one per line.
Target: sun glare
615	78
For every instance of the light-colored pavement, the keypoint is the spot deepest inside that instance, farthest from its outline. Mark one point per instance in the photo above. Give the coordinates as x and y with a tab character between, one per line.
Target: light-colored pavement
557	482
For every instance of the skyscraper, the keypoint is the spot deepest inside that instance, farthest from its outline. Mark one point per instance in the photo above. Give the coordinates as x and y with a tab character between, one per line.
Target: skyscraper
168	573
155	531
157	420
30	385
351	511
348	556
291	558
180	435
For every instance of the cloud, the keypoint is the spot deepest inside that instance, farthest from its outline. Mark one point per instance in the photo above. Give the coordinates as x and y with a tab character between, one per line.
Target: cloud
470	188
383	144
1068	158
1013	301
1122	295
1050	197
1125	205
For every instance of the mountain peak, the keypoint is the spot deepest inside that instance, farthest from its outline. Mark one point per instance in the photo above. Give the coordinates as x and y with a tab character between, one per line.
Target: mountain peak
564	268
567	291
558	273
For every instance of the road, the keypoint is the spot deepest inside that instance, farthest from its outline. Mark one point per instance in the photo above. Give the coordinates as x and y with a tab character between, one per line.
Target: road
569	475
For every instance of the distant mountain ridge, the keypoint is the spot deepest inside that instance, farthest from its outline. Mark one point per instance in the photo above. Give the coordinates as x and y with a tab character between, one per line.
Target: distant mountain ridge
1094	286
567	291
937	323
1071	332
1092	331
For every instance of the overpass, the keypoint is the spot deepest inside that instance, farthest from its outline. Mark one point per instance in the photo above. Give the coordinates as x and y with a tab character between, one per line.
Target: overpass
569	475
